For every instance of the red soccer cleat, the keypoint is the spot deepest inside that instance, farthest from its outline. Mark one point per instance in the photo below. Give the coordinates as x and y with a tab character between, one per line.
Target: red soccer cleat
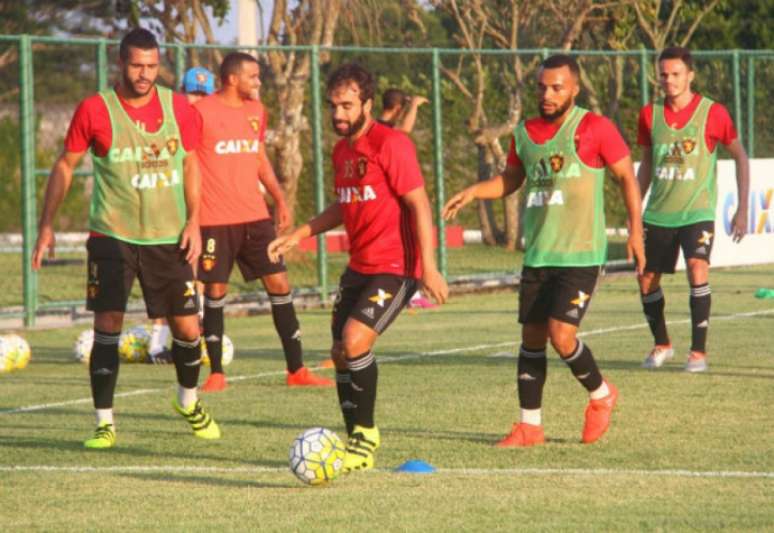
523	435
215	383
303	377
598	415
327	363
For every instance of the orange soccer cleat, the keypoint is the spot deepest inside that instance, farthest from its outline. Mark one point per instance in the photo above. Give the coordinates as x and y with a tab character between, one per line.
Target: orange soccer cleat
598	415
303	377
523	435
215	383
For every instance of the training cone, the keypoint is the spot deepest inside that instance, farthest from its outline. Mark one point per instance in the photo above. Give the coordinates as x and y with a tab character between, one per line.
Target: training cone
415	466
764	293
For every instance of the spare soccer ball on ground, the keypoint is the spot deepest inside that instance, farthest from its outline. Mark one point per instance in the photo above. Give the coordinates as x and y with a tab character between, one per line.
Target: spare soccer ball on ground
133	345
21	351
7	354
82	348
316	456
228	352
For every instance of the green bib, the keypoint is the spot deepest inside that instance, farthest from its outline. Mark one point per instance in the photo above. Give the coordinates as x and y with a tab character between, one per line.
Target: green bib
564	218
683	187
138	192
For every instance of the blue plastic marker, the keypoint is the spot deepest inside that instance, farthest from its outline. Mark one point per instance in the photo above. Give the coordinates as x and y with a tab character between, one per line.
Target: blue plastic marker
416	466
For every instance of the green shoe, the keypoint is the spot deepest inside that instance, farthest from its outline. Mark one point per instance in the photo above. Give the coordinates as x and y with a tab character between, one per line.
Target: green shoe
201	421
104	437
360	449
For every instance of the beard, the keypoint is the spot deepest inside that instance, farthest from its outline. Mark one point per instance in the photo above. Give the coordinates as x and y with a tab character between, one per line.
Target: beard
131	86
561	110
352	127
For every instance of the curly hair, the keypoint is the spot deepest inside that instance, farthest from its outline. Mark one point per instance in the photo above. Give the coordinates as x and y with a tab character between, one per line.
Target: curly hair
349	73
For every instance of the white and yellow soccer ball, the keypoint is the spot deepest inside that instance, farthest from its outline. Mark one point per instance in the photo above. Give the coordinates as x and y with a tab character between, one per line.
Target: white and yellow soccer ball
228	352
82	347
316	456
21	351
133	345
7	354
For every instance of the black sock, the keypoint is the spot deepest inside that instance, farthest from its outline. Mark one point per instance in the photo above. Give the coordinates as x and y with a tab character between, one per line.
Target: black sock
286	324
213	331
344	389
103	368
584	368
701	299
364	374
531	377
653	305
187	356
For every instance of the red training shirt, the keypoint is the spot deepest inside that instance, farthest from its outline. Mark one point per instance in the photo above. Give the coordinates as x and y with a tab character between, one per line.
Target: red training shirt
597	140
90	125
719	129
371	175
231	138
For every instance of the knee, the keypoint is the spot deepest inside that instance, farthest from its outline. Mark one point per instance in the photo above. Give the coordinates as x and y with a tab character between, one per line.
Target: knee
649	282
109	321
338	356
215	291
563	343
277	284
185	328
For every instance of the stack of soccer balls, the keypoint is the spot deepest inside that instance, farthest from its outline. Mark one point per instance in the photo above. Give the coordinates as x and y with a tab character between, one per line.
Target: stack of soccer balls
316	456
14	353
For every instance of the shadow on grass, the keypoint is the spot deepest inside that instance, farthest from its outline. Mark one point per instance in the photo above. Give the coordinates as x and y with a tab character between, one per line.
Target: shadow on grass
209	481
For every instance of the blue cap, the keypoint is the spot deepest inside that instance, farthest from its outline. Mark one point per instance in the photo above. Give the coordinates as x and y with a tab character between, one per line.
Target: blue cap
199	80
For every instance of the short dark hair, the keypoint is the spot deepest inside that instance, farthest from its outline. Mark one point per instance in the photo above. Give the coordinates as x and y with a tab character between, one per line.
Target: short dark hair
392	98
137	38
677	52
352	72
562	60
232	64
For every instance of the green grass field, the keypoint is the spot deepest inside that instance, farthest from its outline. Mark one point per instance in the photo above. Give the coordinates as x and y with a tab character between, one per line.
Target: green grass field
685	452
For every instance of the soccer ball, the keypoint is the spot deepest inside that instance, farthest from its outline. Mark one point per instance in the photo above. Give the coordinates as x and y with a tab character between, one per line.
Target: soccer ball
228	352
21	351
133	345
316	456
82	348
7	354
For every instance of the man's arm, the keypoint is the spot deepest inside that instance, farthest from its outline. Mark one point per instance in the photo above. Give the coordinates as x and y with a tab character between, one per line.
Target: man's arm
509	181
269	180
739	222
644	172
406	122
191	238
327	220
623	170
59	182
432	280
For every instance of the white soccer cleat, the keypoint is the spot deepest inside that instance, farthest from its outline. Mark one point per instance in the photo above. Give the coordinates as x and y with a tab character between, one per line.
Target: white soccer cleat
657	356
697	362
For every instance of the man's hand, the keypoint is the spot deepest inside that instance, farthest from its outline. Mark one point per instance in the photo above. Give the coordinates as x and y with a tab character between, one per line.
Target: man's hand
419	100
457	202
46	241
282	217
191	241
635	250
435	286
280	246
739	225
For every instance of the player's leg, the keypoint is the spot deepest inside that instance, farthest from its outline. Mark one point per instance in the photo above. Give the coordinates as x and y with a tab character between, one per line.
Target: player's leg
347	295
534	293
213	328
696	241
661	248
111	273
157	346
572	297
169	289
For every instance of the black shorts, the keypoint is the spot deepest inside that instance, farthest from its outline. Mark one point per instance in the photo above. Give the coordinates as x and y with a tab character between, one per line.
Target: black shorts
561	293
375	300
662	245
166	278
246	244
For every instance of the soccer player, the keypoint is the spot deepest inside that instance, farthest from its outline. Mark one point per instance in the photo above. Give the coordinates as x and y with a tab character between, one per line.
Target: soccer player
198	82
560	158
381	201
399	110
679	137
235	220
143	222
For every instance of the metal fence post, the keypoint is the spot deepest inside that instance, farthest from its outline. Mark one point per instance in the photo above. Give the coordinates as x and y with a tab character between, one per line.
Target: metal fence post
319	177
27	144
751	105
644	89
440	195
179	65
737	96
102	66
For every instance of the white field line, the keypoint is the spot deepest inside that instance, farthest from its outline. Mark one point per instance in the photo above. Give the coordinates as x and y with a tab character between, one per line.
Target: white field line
384	359
596	472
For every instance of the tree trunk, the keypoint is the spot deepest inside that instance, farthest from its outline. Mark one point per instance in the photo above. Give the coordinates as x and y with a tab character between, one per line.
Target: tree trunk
489	230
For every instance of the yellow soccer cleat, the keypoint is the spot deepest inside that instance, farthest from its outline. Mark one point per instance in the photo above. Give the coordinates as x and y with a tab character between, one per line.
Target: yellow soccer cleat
104	437
360	449
200	420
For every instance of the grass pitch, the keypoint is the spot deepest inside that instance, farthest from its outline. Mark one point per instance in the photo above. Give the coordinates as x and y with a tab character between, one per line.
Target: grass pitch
685	452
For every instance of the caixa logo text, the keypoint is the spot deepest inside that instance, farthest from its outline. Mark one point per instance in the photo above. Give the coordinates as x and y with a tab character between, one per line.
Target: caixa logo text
760	216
